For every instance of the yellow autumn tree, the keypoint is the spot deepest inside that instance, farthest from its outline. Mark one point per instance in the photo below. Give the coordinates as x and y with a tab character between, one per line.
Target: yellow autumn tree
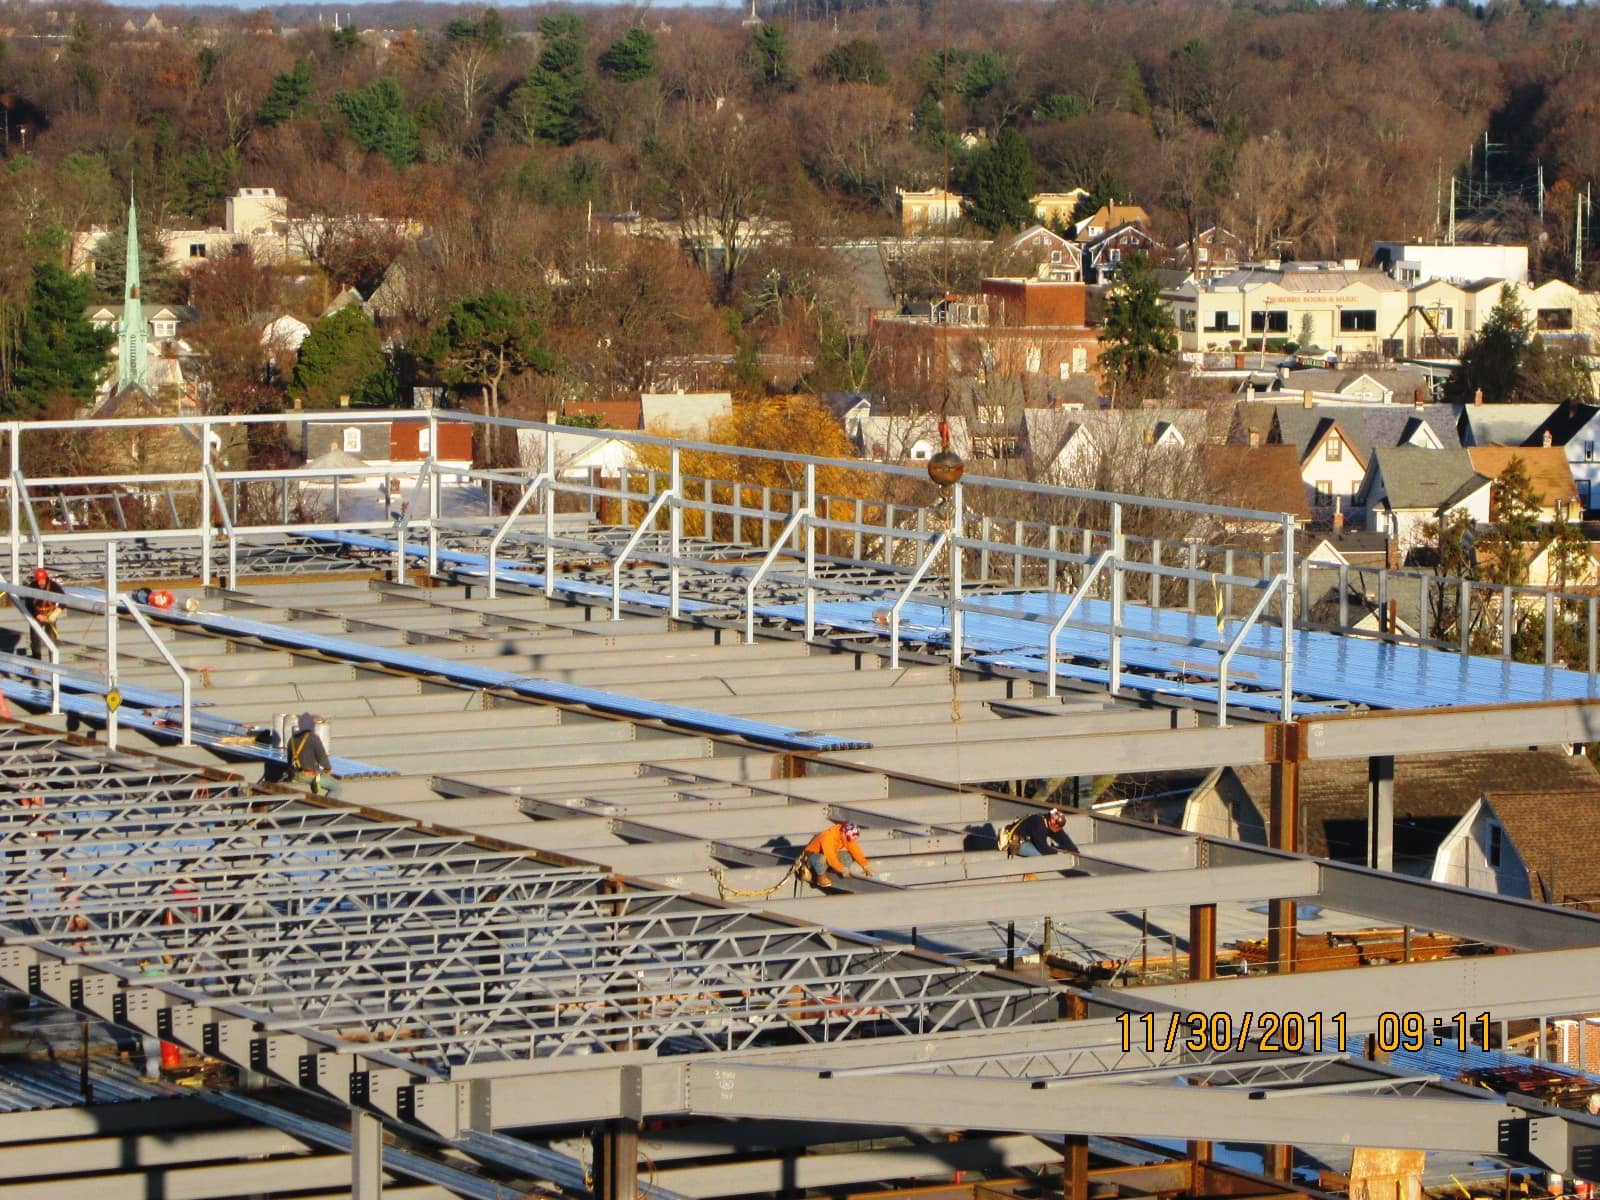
792	424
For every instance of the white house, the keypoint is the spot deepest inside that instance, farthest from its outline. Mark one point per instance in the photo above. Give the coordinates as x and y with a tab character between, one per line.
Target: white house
1479	853
285	333
1406	487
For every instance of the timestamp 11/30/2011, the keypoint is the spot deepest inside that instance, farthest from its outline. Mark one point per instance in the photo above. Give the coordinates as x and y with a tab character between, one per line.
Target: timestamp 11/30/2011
1294	1032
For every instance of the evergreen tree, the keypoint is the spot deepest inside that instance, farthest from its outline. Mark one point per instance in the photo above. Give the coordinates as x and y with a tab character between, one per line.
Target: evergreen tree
483	340
58	353
1513	524
110	253
769	60
1000	184
488	31
630	57
342	356
378	120
288	92
1493	362
549	104
1138	344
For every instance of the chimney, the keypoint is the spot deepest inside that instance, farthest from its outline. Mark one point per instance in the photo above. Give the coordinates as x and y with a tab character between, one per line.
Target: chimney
1338	514
1150	436
1547	440
1305	398
344	400
549	416
1417	395
1477	396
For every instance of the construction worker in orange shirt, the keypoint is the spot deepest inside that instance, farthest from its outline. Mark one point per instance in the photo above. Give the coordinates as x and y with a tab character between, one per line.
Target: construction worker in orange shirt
821	855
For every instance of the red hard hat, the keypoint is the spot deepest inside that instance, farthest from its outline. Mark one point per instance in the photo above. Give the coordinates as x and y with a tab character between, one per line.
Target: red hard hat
40	575
160	598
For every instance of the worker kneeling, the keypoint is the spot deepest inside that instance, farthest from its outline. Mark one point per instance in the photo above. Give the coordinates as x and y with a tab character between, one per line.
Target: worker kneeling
308	759
821	855
1038	834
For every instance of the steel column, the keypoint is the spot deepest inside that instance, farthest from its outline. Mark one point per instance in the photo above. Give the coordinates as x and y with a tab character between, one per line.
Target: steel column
1075	1168
111	642
1202	942
616	1161
1380	812
1285	820
366	1156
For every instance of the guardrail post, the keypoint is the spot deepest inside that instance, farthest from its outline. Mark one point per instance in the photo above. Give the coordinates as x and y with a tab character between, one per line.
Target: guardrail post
1507	621
548	500
204	515
674	534
1118	583
957	564
1464	621
432	468
1192	562
1152	589
13	436
111	642
809	524
1288	618
1549	627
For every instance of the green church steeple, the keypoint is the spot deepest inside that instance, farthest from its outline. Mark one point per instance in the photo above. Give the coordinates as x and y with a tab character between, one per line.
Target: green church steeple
134	336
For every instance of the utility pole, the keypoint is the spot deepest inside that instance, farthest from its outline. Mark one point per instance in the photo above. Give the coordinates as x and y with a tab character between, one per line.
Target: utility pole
1577	240
1541	191
1452	210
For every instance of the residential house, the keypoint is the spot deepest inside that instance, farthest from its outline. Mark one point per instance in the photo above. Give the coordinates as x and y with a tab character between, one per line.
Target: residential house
1543	567
1547	471
1374	385
1432	794
1339	310
1216	252
1103	255
920	211
284	333
1115	447
684	414
1406	487
379	445
1043	254
908	437
1109	216
1057	208
1576	428
1501	424
1538	844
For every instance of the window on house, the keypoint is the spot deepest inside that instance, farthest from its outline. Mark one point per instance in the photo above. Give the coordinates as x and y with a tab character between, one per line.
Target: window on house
1274	321
1223	321
1583	494
1255	437
1033	358
1055	256
425	440
1496	843
1588	451
163	329
1324	493
1080	360
1358	320
1355	489
1066	369
1115	254
1555	318
1443	318
1334	448
1188	319
352	440
197	249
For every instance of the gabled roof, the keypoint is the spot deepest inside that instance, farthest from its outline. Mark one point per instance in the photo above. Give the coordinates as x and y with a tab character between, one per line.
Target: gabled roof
1557	835
1260	477
1431	792
1305	428
1563	424
1127	227
1414	478
1547	466
1108	216
1502	424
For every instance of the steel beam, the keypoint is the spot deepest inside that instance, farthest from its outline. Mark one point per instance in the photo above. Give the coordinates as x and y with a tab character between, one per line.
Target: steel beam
1113	1110
1509	986
1048	897
1437	731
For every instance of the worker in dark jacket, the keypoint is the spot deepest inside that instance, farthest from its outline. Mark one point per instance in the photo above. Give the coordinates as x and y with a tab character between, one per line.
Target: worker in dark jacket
45	612
1041	834
308	759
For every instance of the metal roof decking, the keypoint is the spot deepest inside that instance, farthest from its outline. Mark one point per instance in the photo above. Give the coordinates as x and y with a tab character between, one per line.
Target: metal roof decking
481	677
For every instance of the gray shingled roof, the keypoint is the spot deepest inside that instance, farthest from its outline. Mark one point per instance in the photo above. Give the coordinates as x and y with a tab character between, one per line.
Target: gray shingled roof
1426	479
1366	427
1501	424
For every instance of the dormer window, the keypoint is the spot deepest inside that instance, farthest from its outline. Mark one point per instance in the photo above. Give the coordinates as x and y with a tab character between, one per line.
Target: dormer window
352	440
1334	448
163	329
